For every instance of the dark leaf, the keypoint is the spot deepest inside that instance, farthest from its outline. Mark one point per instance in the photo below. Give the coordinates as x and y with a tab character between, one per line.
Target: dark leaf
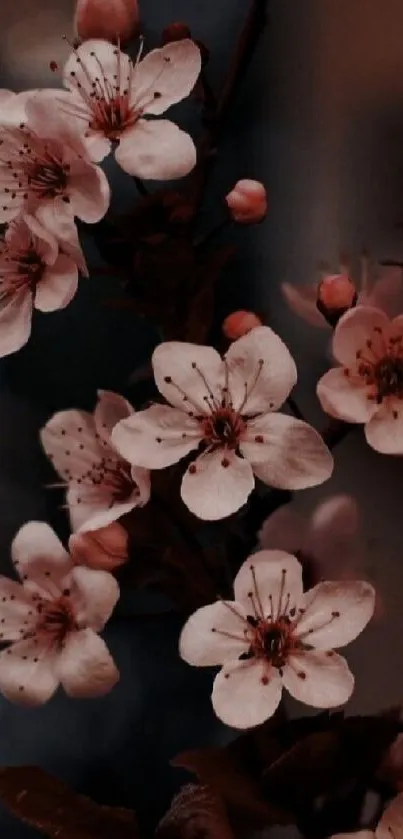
195	813
47	804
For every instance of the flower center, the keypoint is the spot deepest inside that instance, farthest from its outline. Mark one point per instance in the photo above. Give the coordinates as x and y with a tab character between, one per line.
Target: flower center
223	428
388	375
272	640
380	365
112	116
47	177
56	619
20	270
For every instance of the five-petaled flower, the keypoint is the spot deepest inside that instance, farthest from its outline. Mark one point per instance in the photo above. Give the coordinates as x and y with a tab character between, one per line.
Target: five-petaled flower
53	620
273	635
368	388
44	163
33	274
389	826
226	406
101	486
111	98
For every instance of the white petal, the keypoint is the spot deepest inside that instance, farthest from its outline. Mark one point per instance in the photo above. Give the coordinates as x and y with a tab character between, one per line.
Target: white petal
27	673
110	409
269	584
391	823
91	508
85	666
262	371
57	285
40	559
166	76
156	150
15	322
188	370
214	634
345	398
384	431
217	484
246	693
320	679
292	454
63	228
335	613
17	610
47	244
95	59
387	292
94	594
334	539
354	329
88	190
285	529
302	301
157	437
69	440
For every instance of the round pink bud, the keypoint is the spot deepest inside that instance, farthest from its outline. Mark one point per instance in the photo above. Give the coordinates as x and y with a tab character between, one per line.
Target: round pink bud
104	549
247	202
239	323
336	294
113	20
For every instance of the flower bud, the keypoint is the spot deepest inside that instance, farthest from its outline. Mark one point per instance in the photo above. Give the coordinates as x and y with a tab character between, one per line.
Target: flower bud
104	549
247	202
113	20
175	32
336	294
239	323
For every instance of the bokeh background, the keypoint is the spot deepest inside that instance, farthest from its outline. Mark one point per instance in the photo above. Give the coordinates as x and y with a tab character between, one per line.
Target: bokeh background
320	121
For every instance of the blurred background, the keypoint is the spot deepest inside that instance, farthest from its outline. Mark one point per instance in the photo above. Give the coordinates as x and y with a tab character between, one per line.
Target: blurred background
320	121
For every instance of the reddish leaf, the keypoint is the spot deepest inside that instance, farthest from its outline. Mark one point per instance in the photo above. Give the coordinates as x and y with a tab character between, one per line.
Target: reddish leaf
195	812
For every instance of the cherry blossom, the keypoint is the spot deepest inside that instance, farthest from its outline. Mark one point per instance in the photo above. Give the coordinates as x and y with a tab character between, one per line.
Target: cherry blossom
52	620
227	406
44	163
101	485
368	388
33	274
272	635
110	97
389	826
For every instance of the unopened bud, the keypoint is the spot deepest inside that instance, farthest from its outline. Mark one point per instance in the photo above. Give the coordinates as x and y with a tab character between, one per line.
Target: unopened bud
113	20
239	323
336	295
175	32
247	202
104	549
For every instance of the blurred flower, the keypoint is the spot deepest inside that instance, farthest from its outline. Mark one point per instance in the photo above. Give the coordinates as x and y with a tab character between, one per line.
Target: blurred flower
273	635
247	202
53	619
239	323
389	826
227	406
106	548
114	20
368	388
101	486
44	164
175	32
109	98
33	274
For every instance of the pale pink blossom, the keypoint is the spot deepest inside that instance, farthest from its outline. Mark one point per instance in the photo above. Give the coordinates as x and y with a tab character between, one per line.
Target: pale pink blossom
110	97
390	825
13	107
101	485
106	548
247	202
44	163
272	635
53	619
226	406
383	292
115	20
239	323
34	273
368	387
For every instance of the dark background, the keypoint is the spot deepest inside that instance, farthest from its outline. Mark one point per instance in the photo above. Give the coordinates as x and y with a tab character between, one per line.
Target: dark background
319	119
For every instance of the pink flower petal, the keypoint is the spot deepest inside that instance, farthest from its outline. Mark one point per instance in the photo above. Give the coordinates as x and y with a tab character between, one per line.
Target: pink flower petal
214	634
284	530
354	329
62	227
93	508
94	594
302	301
69	441
40	559
156	150
384	431
391	822
110	409
286	452
27	673
15	322
85	666
57	285
333	538
17	610
84	66
387	292
217	485
88	190
156	437
344	398
46	243
261	371
166	76
336	613
246	693
269	584
182	369
320	679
